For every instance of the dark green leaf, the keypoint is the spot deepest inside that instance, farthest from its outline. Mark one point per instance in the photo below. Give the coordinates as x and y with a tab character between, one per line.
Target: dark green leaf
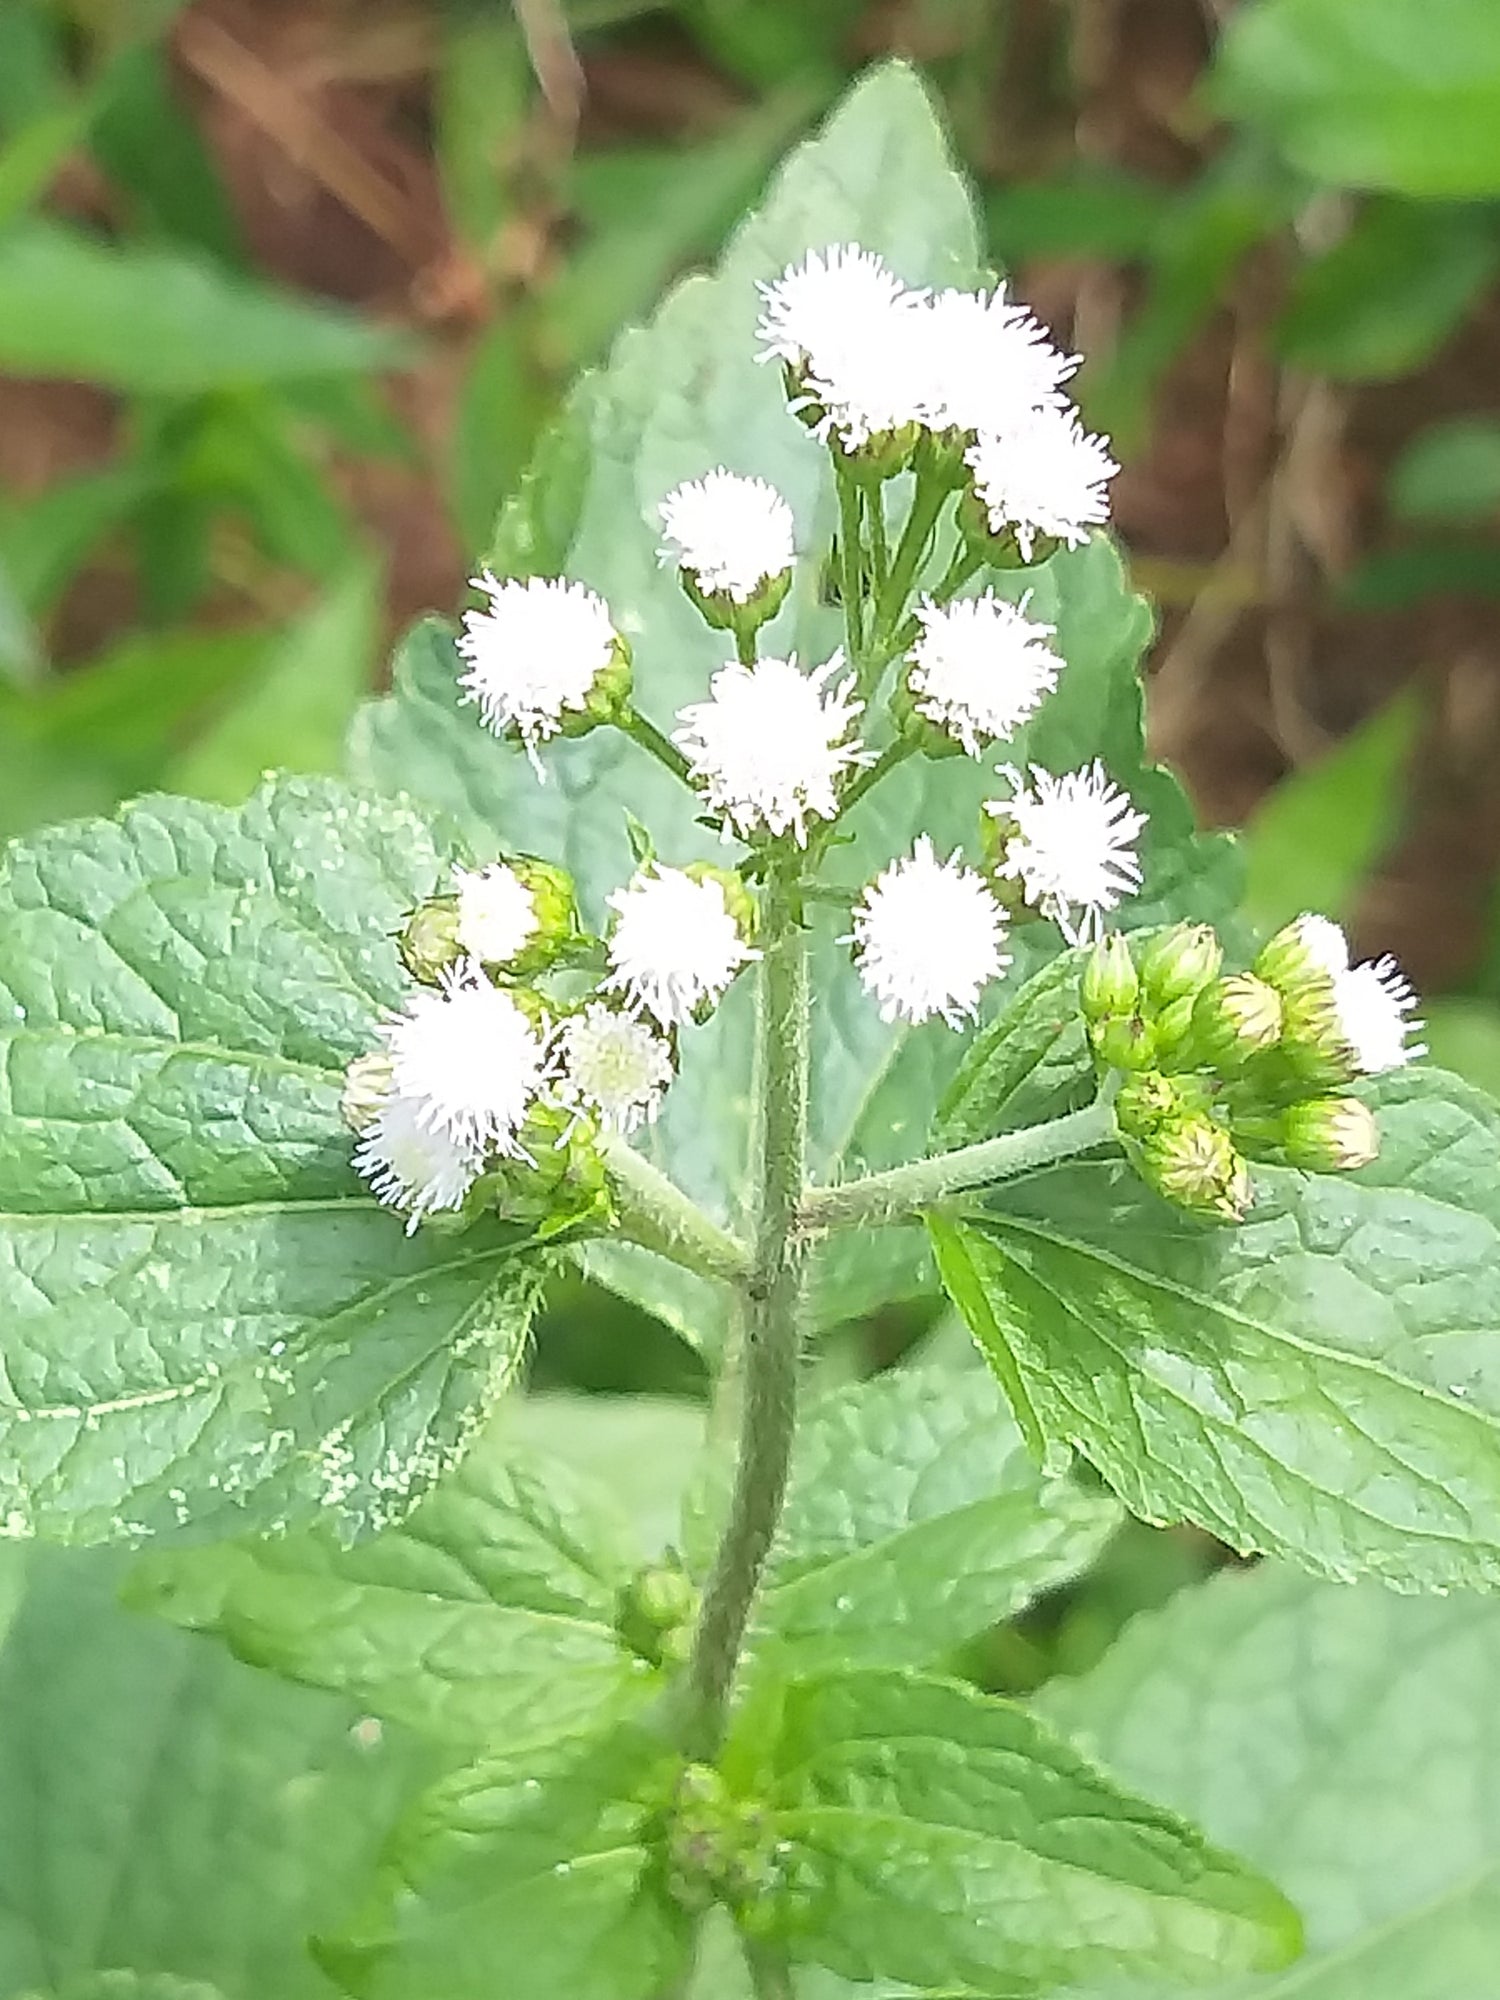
143	319
203	1316
1341	1738
148	145
936	1835
1402	95
488	1615
1088	213
46	537
165	1809
1395	579
1449	472
1318	1382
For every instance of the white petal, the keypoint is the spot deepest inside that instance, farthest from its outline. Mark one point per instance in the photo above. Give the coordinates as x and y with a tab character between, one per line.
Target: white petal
675	945
928	938
614	1065
822	302
1044	476
469	1060
1376	1008
980	668
534	653
1074	848
731	533
412	1166
496	913
987	364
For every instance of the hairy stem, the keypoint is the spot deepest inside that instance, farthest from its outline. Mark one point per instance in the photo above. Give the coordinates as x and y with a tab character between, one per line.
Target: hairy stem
661	747
772	1295
654	1211
894	753
927	504
927	1184
850	563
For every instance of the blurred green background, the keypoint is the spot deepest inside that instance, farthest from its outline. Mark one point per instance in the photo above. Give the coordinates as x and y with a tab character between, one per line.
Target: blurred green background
289	287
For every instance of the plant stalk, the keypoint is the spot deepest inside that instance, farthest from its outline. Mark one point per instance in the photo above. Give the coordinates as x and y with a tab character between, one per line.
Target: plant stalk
772	1295
926	504
654	1211
928	1184
850	564
661	747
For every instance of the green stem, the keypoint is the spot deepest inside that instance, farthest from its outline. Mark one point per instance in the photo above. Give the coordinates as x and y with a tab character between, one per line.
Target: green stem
927	504
655	1212
966	562
744	645
662	748
772	1304
770	1974
928	1184
896	752
850	563
880	555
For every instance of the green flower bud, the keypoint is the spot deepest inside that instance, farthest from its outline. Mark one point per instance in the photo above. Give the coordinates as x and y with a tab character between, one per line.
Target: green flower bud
608	697
719	1848
558	929
561	1187
729	614
1330	1135
1314	1049
883	456
1174	1033
1150	1101
924	735
428	944
1193	1164
367	1085
1179	963
656	1609
1109	984
973	520
1123	1041
1234	1019
1303	956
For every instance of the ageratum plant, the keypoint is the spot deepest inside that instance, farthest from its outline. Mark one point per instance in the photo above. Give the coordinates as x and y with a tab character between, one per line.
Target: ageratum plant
764	903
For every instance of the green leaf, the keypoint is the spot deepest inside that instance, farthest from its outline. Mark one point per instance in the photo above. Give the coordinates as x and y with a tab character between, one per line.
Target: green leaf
643	1448
148	144
31	157
1344	1740
45	538
488	1615
155	321
935	1835
915	1518
1318	834
1464	1036
1449	472
167	1810
295	713
1385	298
1404	95
534	1860
1316	1383
483	95
677	398
203	1316
1090	212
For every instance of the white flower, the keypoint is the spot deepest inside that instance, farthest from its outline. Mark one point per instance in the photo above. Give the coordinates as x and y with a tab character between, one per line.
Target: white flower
469	1060
1044	476
928	937
869	381
980	668
412	1166
986	363
675	945
534	654
732	534
822	304
614	1065
769	745
1073	850
1323	942
1375	1005
496	913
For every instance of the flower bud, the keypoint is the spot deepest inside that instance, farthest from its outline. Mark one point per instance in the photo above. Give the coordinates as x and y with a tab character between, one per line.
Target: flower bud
925	736
367	1085
1233	1020
561	1186
973	520
1109	984
1193	1164
555	901
608	696
428	944
730	614
1179	963
1123	1041
719	1848
884	455
1330	1135
1174	1033
1314	1048
654	1608
1150	1101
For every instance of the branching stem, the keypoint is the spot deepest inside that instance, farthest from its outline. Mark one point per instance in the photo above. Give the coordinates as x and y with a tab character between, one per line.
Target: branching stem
654	1211
661	747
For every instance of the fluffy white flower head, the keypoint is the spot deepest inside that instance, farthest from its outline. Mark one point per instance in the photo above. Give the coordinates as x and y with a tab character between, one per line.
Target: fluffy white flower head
870	381
1375	1007
413	1167
1044	476
980	668
769	745
733	534
534	654
928	938
614	1065
986	363
496	913
1324	942
1073	851
675	945
821	305
468	1060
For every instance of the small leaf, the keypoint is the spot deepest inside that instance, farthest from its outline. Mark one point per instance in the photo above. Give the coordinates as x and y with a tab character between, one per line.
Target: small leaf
1449	472
1342	1738
935	1835
1318	1382
203	1314
490	1613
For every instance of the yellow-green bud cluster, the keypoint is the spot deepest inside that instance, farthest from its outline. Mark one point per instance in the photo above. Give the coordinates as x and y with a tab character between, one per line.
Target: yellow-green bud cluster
719	1848
1222	1068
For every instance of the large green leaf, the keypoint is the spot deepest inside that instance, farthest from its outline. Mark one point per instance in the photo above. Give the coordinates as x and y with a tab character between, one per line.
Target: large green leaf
490	1614
915	1518
156	322
204	1318
1342	1738
677	398
1404	94
929	1833
1320	1382
531	1865
166	1810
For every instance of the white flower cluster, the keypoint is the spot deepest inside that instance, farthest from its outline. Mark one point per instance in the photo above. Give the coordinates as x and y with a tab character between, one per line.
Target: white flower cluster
872	359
